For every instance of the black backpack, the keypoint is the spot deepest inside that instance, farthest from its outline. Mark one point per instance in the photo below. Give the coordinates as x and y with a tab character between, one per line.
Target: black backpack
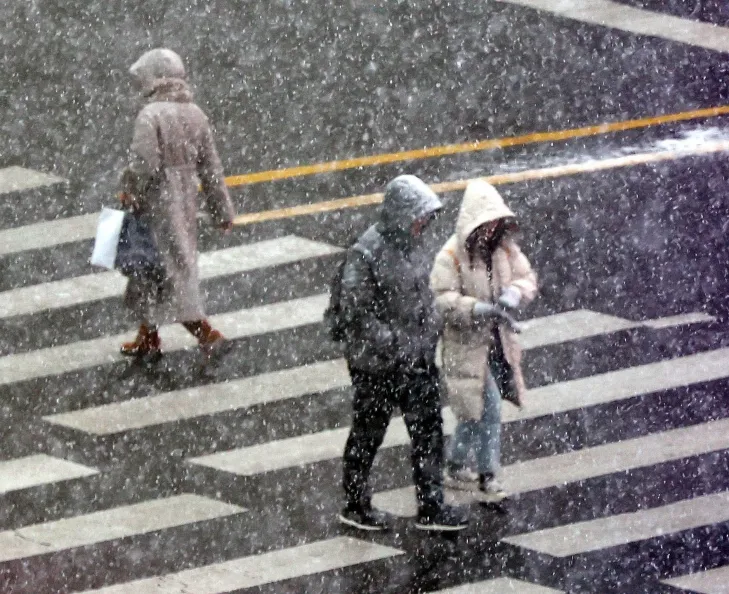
333	314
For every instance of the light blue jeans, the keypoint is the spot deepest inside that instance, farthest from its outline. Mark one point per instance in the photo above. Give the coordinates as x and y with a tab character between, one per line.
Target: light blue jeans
483	437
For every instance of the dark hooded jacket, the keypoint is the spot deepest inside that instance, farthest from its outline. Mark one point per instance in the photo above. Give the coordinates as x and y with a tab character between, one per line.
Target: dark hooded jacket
388	306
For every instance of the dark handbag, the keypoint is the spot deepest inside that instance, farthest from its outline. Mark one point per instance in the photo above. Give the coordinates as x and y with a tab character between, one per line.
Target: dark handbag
137	255
502	371
500	368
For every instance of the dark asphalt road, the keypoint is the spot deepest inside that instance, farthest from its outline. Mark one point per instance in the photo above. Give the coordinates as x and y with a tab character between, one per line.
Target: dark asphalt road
288	83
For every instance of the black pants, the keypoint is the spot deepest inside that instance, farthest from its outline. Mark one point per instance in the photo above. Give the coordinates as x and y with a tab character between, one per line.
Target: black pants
375	396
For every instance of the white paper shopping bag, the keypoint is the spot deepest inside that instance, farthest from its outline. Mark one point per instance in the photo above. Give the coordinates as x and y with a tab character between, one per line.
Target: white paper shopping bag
107	237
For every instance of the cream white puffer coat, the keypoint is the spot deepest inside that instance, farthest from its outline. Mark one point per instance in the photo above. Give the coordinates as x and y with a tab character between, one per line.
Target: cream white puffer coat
458	284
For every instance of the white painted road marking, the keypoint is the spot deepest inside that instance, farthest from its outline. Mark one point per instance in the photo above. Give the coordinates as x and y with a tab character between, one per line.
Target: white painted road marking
551	399
111	524
98	351
621	529
499	586
257	570
710	581
270	318
207	399
16	179
93	287
48	234
635	20
153	410
559	470
38	469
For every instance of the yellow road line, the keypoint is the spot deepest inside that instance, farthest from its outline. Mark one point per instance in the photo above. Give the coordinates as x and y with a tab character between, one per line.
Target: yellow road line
468	147
500	179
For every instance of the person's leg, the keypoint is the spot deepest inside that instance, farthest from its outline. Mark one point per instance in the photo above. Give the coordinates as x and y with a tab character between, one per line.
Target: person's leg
420	403
419	400
464	440
211	341
146	343
371	414
461	444
489	445
200	329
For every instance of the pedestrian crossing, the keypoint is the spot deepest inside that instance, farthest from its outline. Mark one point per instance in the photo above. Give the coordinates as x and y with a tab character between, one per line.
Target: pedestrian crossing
622	529
296	382
111	524
607	13
90	353
38	469
562	469
206	400
17	179
499	586
711	581
257	570
105	285
308	551
546	400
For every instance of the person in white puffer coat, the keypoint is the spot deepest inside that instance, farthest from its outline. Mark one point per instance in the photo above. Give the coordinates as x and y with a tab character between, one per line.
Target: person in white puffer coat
479	277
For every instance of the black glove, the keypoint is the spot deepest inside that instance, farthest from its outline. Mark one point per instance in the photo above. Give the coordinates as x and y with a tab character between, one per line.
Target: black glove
484	312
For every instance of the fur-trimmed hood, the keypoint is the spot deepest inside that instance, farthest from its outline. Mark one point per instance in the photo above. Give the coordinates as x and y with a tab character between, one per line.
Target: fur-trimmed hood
160	75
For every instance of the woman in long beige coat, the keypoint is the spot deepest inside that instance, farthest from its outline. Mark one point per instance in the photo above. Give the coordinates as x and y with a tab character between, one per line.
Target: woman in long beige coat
479	275
172	152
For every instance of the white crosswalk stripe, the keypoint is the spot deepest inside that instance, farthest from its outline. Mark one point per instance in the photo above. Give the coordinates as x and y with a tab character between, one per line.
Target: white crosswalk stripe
111	524
48	234
499	586
257	570
621	529
206	400
546	400
559	470
17	179
89	353
103	285
38	469
711	581
616	15
152	410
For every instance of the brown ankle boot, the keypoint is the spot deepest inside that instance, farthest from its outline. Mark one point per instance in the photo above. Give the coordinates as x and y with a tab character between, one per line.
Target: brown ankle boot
213	346
147	343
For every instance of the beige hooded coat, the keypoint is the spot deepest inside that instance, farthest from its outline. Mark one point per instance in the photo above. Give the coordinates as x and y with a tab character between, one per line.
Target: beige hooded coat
458	284
172	153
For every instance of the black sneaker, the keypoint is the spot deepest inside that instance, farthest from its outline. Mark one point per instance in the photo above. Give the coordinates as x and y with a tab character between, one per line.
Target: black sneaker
365	519
444	519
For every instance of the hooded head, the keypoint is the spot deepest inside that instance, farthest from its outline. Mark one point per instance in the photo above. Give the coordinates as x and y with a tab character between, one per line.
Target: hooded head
407	200
481	204
159	68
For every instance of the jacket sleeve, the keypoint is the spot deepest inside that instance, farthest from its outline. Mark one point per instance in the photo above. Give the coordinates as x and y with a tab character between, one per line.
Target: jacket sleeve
358	302
457	308
523	277
145	157
209	168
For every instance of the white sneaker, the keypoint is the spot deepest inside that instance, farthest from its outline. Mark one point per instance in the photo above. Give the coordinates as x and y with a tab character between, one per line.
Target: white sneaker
491	491
463	479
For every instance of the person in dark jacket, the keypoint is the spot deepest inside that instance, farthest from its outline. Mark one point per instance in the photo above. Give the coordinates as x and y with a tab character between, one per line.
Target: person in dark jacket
392	330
